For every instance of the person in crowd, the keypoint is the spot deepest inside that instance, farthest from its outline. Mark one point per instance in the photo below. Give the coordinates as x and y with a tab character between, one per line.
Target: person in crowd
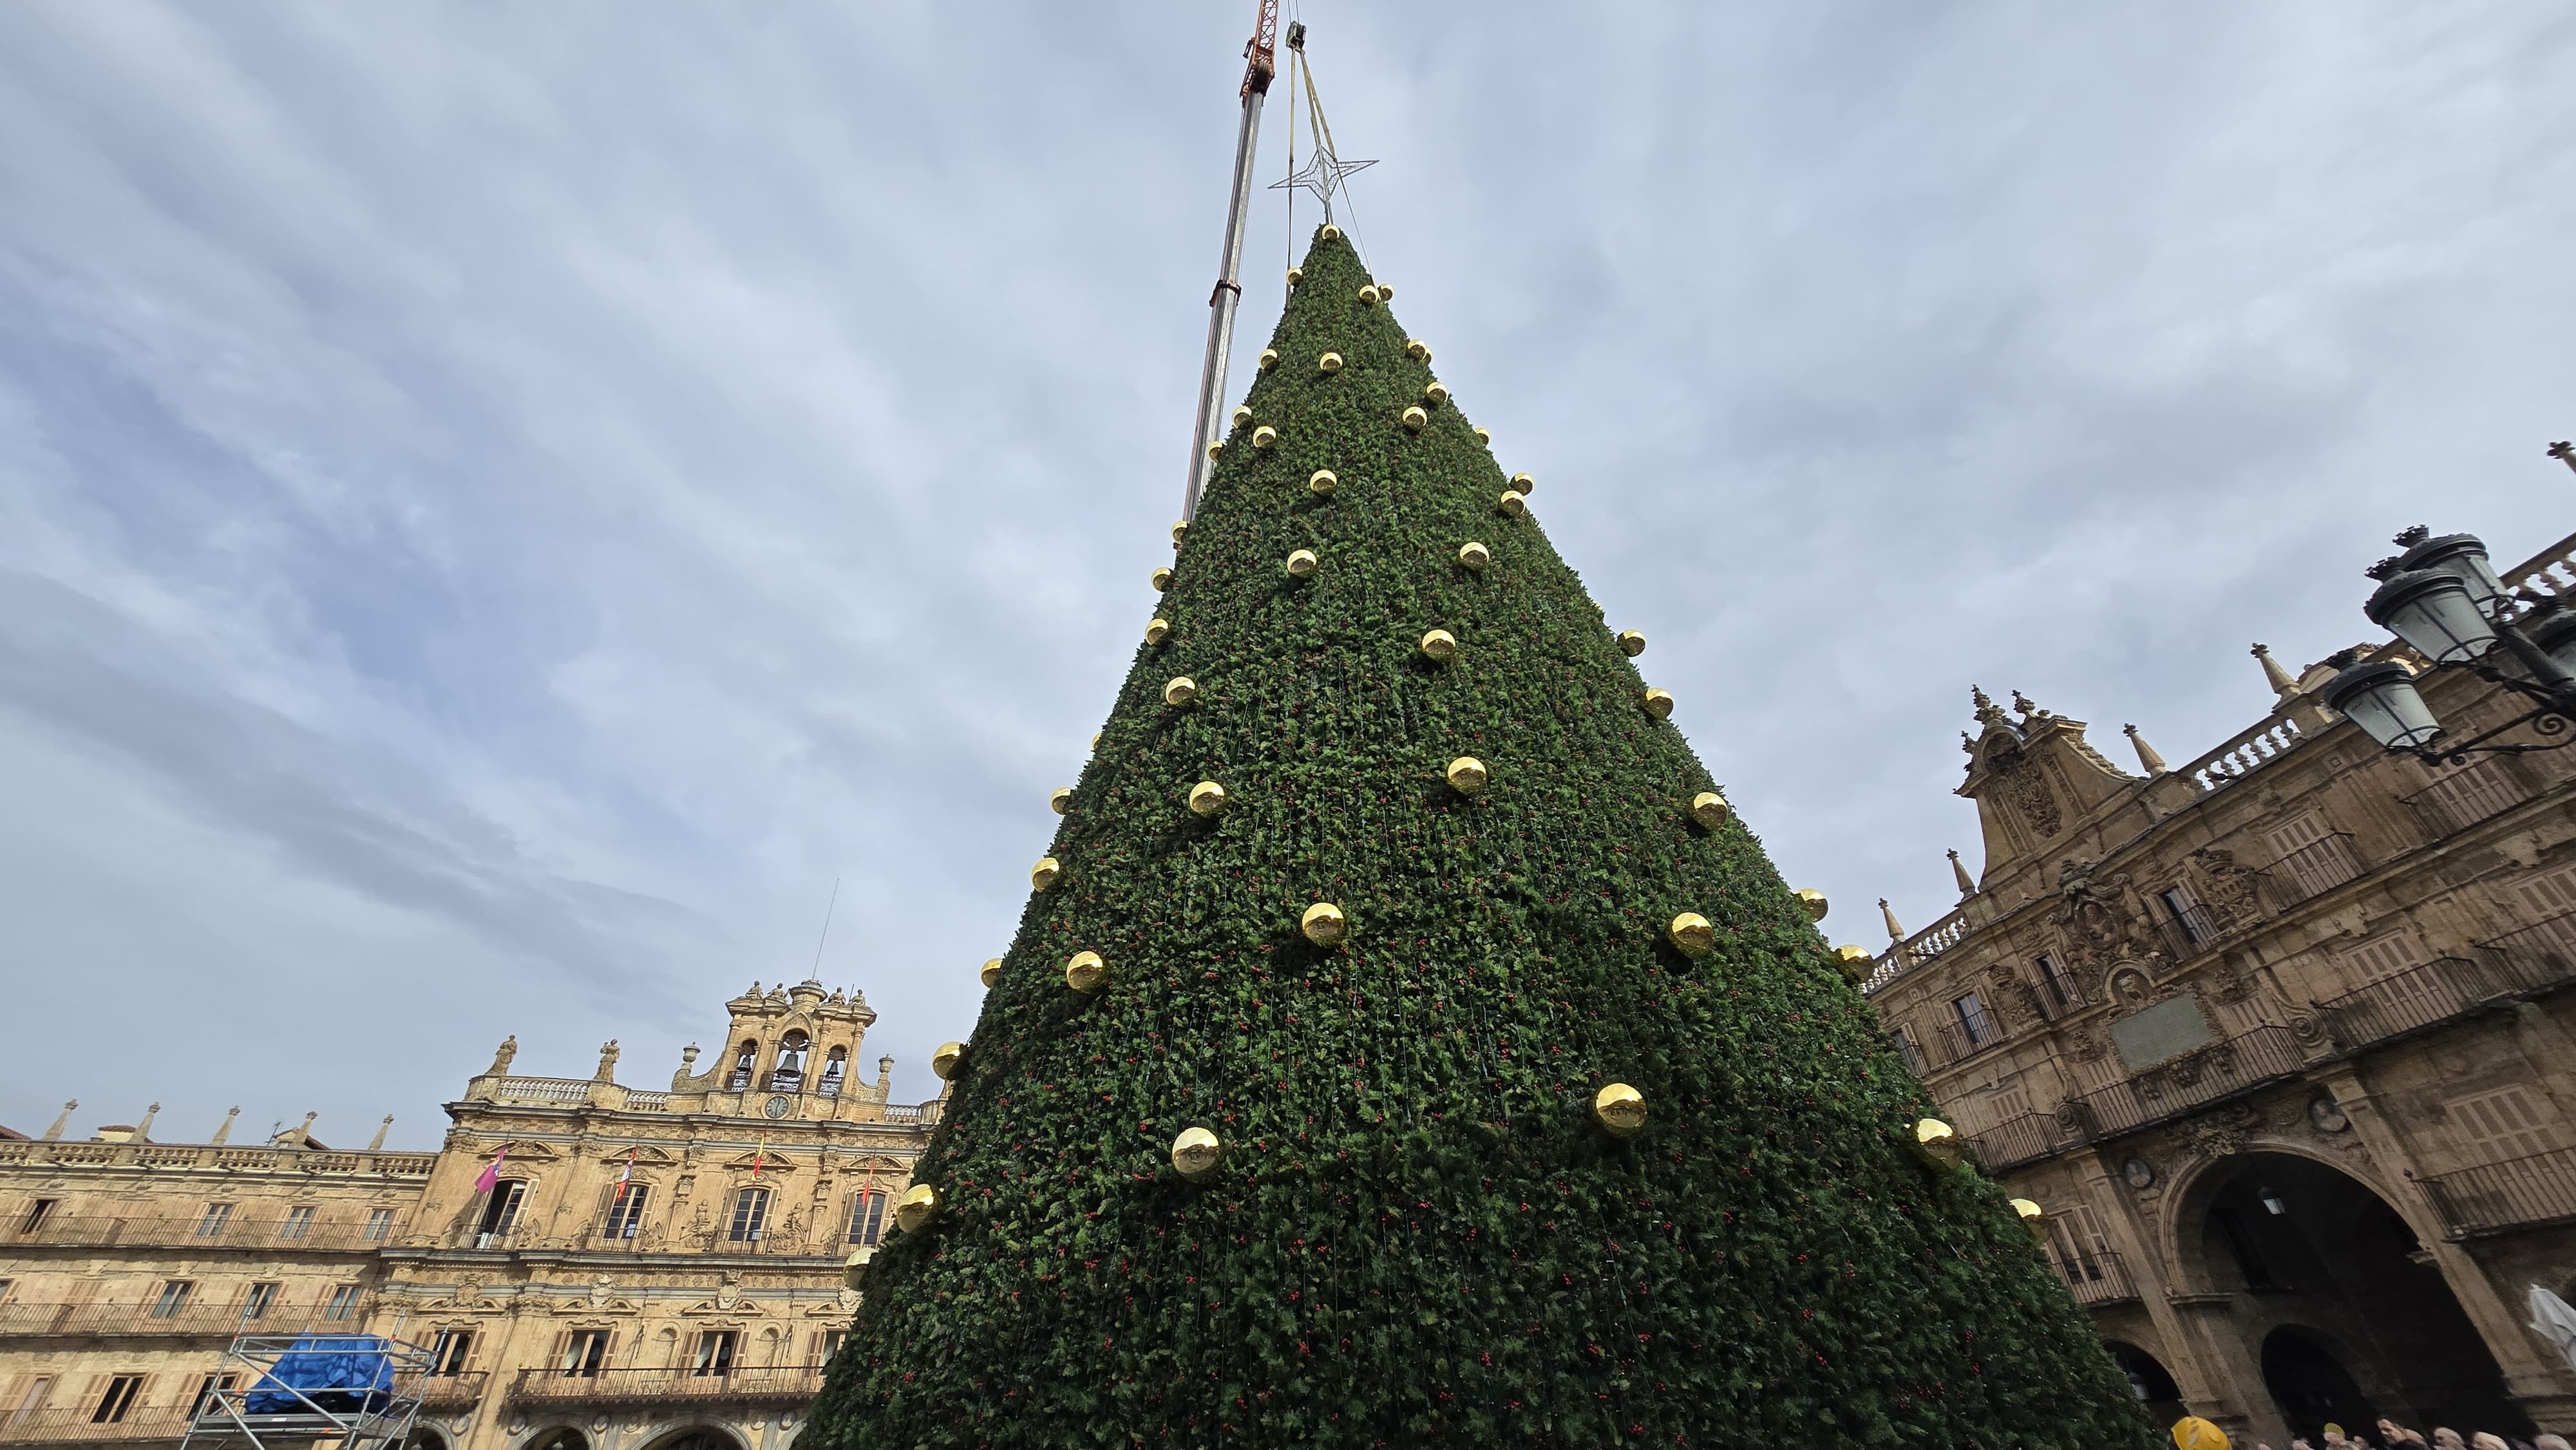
2552	1442
2397	1435
2483	1440
2446	1438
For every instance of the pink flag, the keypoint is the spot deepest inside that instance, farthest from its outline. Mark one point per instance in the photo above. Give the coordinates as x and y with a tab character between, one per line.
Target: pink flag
491	1171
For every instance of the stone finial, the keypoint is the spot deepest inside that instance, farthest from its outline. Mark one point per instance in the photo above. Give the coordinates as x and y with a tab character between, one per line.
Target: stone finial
607	1062
1966	744
501	1056
376	1144
1959	873
688	1057
2564	452
300	1136
885	1074
2148	761
2273	675
224	1134
54	1134
1987	714
2023	707
1887	913
143	1130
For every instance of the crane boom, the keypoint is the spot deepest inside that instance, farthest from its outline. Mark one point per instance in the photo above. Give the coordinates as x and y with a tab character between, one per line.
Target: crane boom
1260	63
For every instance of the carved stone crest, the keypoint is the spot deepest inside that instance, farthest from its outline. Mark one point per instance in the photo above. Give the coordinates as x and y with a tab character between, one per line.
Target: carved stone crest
2226	887
2220	1132
2025	786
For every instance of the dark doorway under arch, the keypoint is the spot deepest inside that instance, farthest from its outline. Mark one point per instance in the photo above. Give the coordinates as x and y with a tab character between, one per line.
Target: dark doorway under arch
566	1439
2159	1399
2310	1384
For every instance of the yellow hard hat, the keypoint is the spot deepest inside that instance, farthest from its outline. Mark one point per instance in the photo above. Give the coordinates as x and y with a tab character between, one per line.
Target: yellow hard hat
2191	1432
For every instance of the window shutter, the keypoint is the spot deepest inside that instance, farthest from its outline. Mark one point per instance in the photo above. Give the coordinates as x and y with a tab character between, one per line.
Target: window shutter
2505	1123
2383	957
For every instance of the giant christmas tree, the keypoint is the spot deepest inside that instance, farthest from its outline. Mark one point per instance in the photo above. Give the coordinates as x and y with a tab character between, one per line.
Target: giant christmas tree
1425	1222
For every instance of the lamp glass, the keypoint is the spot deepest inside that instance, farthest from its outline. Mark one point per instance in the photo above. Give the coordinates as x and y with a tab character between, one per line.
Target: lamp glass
2382	699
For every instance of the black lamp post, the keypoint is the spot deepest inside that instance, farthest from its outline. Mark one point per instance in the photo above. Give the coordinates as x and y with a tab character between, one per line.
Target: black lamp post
2443	598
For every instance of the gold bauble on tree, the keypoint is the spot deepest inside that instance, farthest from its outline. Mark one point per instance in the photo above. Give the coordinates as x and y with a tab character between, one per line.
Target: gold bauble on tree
1085	972
918	1206
1417	349
1466	775
1658	703
1156	629
1710	810
1632	642
1856	962
1269	358
1264	436
1161	579
2034	1218
1485	436
1523	483
947	1060
1415	420
992	971
1620	1108
1511	506
1196	1151
1059	798
1693	933
854	1268
1439	644
1329	232
1296	275
1207	798
1243	411
1368	295
1330	362
1813	901
1046	873
1474	555
1301	564
1324	924
1180	530
1180	692
1437	392
1386	292
1322	482
1938	1144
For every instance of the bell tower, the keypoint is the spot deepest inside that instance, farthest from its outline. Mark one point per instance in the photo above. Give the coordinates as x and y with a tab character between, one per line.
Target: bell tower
788	1052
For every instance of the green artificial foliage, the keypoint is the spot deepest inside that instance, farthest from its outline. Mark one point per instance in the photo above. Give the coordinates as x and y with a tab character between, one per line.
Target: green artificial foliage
1418	1234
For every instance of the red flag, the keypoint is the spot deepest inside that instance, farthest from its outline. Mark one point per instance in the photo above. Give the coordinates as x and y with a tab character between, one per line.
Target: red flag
758	1154
626	1174
491	1171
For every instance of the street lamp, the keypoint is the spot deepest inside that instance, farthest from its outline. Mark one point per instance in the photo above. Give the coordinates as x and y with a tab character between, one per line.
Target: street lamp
2444	599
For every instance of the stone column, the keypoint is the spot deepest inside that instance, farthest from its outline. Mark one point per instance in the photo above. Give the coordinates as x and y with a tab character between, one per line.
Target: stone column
2211	1393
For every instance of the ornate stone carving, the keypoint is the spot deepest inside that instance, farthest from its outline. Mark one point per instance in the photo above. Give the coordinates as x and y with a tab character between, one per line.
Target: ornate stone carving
2221	1131
2227	889
2025	786
2094	916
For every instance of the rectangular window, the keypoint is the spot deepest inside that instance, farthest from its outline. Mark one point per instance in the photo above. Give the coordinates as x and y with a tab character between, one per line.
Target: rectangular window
1978	1028
210	1224
2187	915
2504	1124
2382	957
449	1353
750	1212
206	1389
626	1212
380	1225
1908	1048
33	1399
262	1298
2056	981
585	1352
828	1343
867	1216
2315	859
37	1212
119	1398
298	1220
500	1210
715	1352
343	1303
174	1298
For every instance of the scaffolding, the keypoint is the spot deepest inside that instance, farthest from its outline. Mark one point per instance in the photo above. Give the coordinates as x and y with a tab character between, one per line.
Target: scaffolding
343	1391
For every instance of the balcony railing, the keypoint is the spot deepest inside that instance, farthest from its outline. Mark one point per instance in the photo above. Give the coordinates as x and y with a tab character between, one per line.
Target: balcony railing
2244	755
28	1321
77	1426
2547	948
1917	949
2517	1193
2442	990
445	1394
2314	869
2188	931
2196	1079
2098	1276
195	1231
781	1384
2022	1138
2460	798
2061	996
1956	1041
200	1155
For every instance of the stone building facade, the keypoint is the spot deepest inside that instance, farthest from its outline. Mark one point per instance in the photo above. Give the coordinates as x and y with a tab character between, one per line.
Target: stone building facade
2282	1041
651	1269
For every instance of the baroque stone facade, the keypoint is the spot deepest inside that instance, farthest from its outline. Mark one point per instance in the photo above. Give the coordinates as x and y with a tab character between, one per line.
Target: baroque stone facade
649	1268
2283	1043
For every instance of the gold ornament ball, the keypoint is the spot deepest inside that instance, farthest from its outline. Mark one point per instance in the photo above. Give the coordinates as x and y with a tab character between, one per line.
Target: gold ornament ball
1485	436
1329	233
1439	644
1085	972
1180	529
2034	1218
1296	275
1814	902
1330	362
1856	962
1214	449
1161	579
1523	483
1938	1144
1269	358
1474	555
1386	292
1180	692
1322	482
1207	798
1659	703
1368	295
1264	436
1693	933
1195	1152
1095	740
992	971
1059	798
1466	775
1301	564
947	1060
1632	642
1243	411
1046	873
1415	420
854	1268
1324	924
1511	506
1417	349
1620	1108
1156	628
1437	392
1709	809
918	1206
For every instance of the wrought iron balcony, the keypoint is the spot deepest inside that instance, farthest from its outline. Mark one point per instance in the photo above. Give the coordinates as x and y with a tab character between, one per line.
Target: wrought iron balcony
2516	1193
442	1394
2314	869
1956	1041
2095	1277
2442	990
2188	931
195	1232
2022	1138
774	1384
78	1426
2205	1075
2460	798
30	1321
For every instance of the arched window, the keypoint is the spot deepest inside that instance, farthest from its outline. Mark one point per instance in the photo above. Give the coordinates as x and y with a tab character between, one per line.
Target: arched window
743	1059
789	1074
750	1216
834	1067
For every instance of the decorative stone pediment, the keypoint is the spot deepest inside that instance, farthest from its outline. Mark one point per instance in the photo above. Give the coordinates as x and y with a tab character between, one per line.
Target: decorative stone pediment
465	1299
723	1316
520	1152
771	1164
646	1156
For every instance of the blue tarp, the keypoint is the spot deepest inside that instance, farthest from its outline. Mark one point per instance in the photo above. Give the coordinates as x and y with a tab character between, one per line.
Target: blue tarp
345	1374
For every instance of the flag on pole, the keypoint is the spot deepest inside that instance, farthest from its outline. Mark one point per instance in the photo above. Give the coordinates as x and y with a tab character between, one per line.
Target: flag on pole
491	1171
758	1154
626	1174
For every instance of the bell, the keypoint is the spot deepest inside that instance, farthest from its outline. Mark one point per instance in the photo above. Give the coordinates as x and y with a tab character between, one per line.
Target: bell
1415	420
1856	962
1620	1108
1523	483
1659	703
1180	692
1512	506
1321	483
1439	644
992	971
1474	555
1368	296
1692	933
1269	358
1264	436
1085	972
2033	1218
1156	628
1330	362
1328	233
1207	798
1301	563
1466	775
1709	809
1416	349
1180	527
1060	797
1161	579
1814	901
1937	1144
1045	873
947	1060
1632	642
1485	436
1195	1152
1243	411
1296	275
918	1206
853	1268
1324	924
1438	393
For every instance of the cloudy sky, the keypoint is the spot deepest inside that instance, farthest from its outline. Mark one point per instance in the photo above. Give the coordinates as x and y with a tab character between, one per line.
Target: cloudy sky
501	505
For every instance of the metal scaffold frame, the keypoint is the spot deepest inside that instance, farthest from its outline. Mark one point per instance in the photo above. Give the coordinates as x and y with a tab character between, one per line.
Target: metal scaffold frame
349	1391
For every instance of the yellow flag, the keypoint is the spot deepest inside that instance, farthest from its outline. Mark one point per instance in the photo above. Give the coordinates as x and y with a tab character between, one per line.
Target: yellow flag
2191	1432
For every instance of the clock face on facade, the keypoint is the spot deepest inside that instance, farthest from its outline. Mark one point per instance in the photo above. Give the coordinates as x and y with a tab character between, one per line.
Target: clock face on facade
776	1107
